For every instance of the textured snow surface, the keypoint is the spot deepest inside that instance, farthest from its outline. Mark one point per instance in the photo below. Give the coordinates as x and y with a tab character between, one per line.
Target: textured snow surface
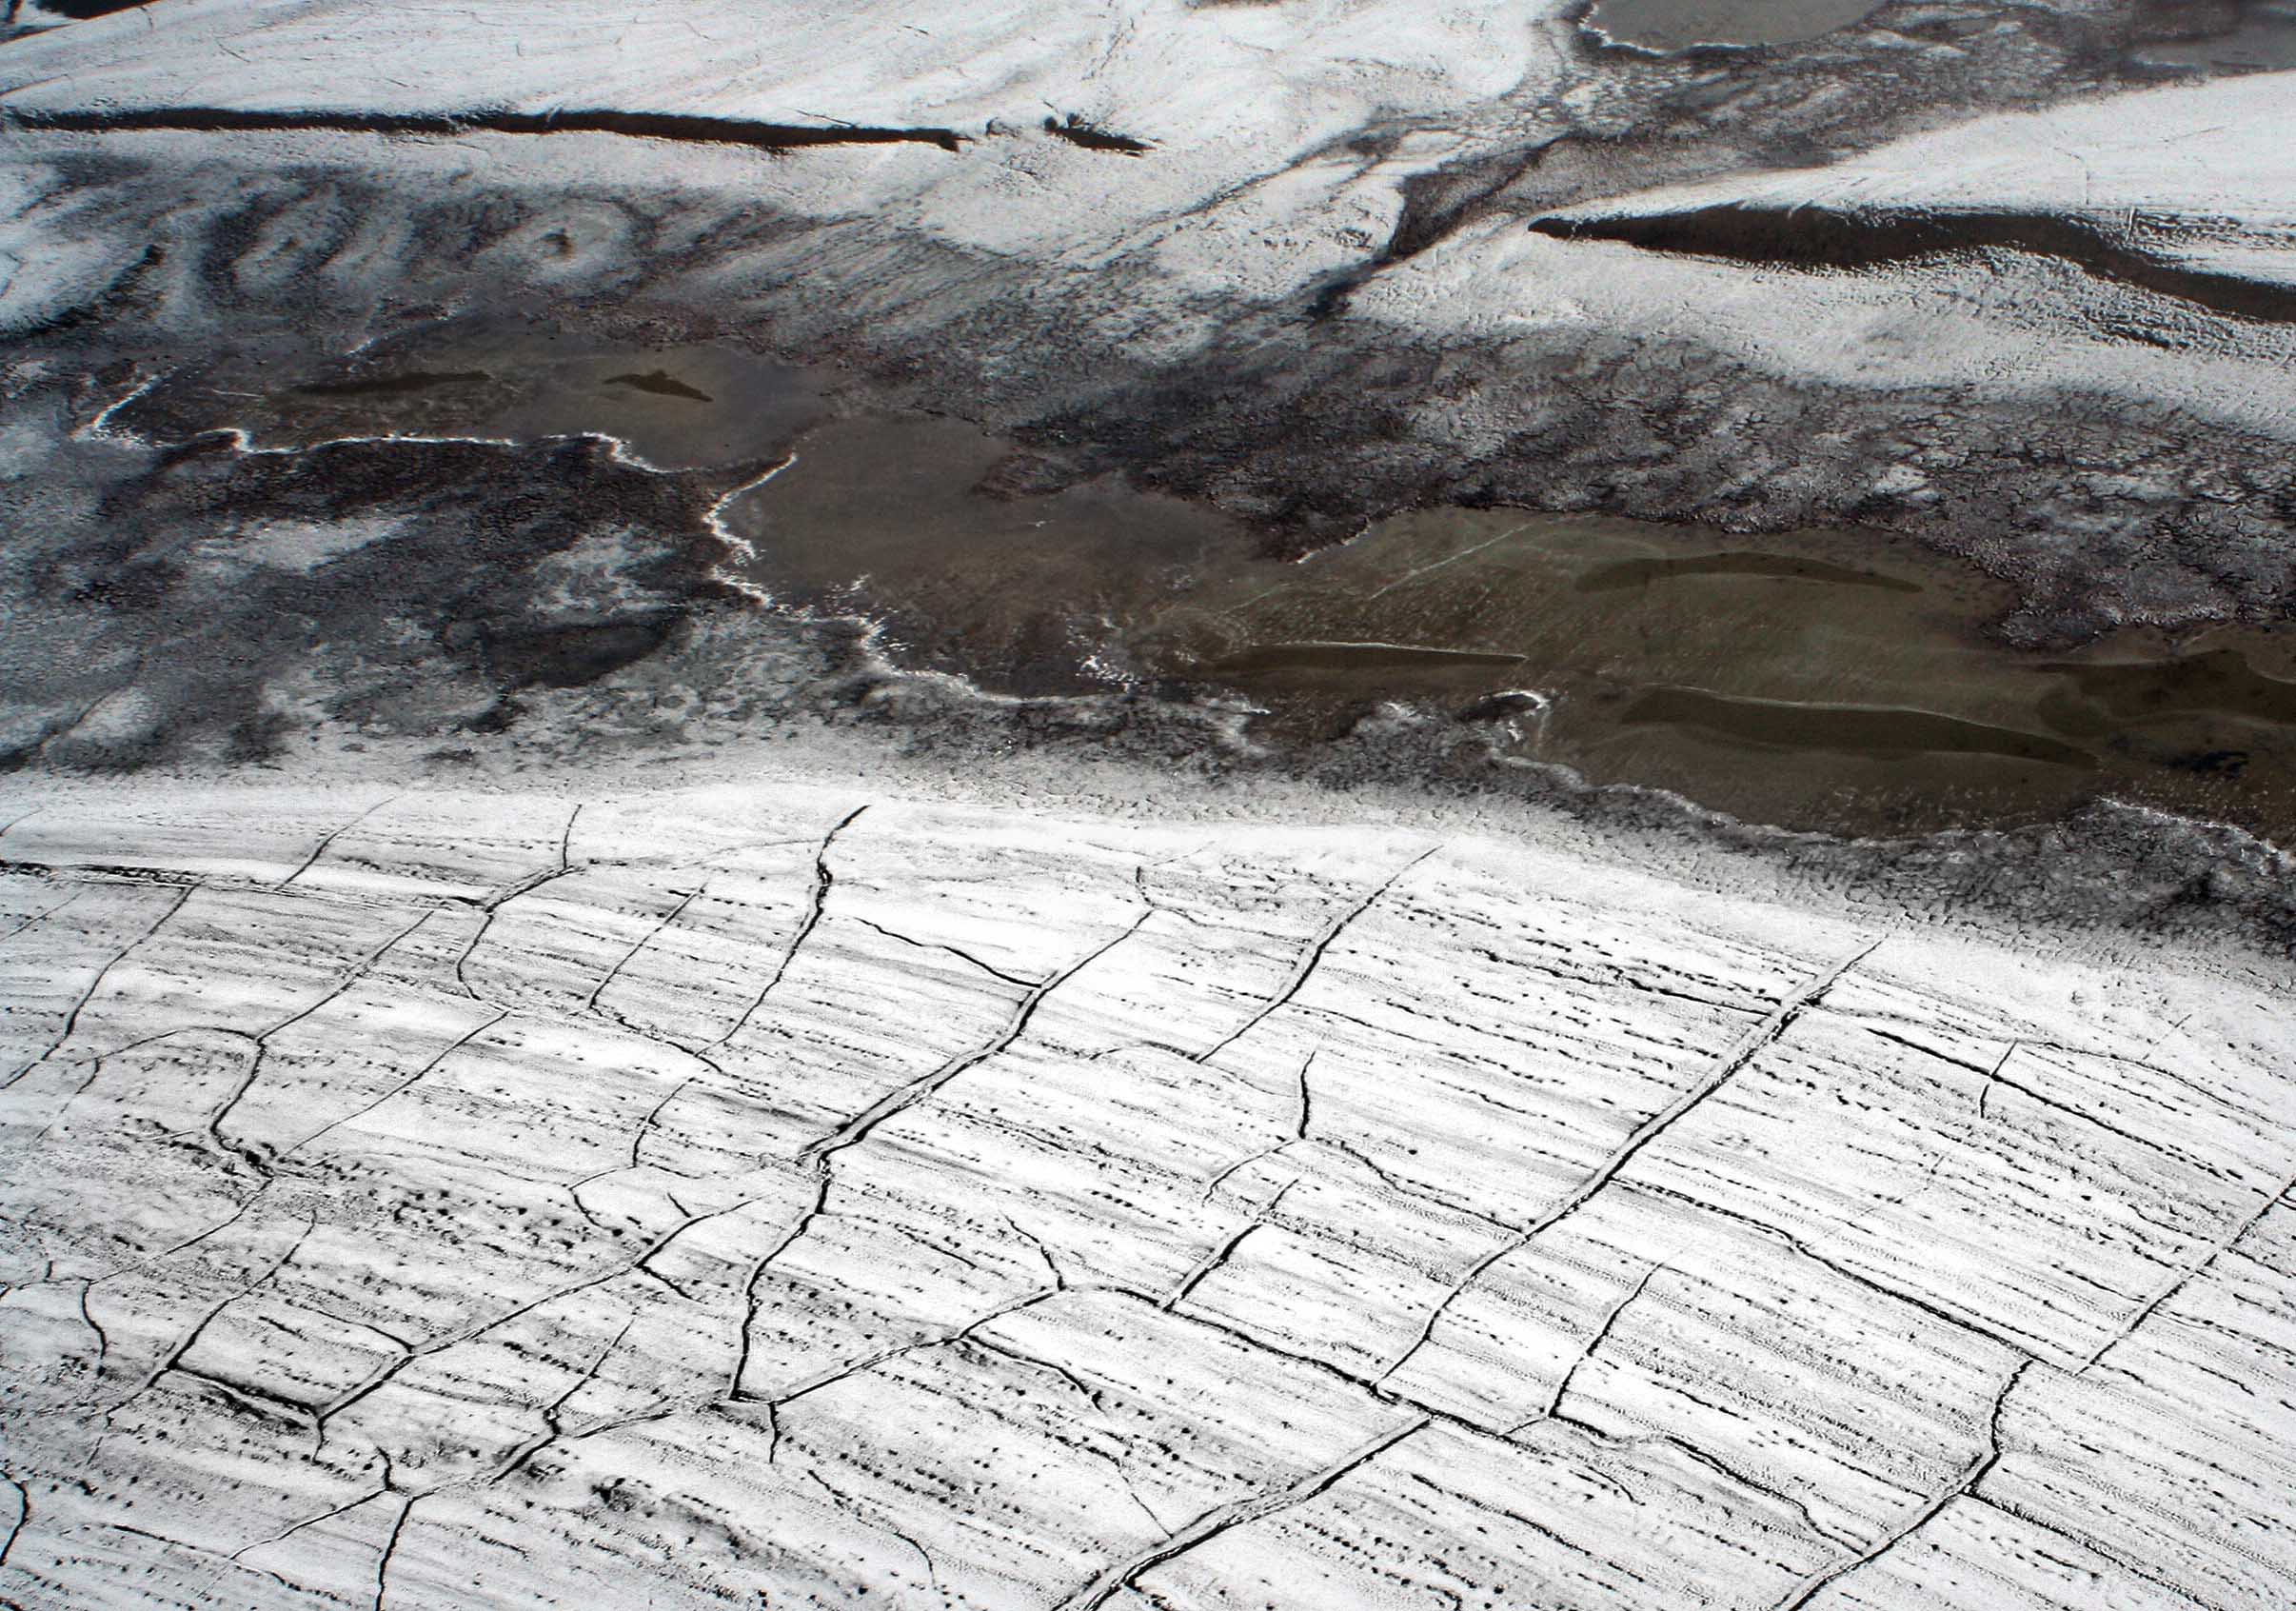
2211	150
1232	96
1260	180
763	1196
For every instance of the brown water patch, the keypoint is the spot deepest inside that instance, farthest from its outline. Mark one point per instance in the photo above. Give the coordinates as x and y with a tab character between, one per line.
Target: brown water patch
661	382
1677	24
680	407
1847	730
1836	680
2258	36
1318	659
1642	573
395	385
892	516
2110	695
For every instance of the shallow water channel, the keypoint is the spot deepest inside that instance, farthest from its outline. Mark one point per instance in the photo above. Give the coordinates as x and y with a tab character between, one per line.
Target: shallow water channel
1677	24
1841	679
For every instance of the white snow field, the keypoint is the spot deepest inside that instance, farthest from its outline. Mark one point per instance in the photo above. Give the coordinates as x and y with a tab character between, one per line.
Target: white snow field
1253	185
780	1196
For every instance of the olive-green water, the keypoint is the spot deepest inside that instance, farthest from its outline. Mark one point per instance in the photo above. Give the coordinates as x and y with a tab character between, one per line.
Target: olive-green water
1675	24
1841	679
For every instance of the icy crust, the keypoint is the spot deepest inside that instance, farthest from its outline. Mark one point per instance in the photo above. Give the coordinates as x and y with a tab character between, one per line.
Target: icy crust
1229	97
1283	142
506	1201
1314	262
2211	151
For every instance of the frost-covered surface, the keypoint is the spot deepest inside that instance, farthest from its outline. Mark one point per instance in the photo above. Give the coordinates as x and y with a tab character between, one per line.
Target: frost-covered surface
1311	259
779	1195
794	1194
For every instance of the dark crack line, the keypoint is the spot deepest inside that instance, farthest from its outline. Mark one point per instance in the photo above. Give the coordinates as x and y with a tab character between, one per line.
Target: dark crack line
15	1529
565	841
190	1549
43	915
1985	1092
389	1487
400	1088
856	1130
1732	1059
752	1300
1602	1334
173	1359
643	941
2010	1508
1093	1402
327	843
493	905
822	881
388	1552
822	1380
1405	1189
96	1373
71	1021
2183	1278
869	1515
647	1124
263	1042
259	1401
1995	1076
1793	1243
1221	1254
383	1375
954	950
1237	1512
1311	957
1299	1128
1970	1475
553	1428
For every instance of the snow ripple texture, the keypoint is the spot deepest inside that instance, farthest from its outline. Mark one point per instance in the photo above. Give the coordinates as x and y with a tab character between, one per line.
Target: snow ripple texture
764	1198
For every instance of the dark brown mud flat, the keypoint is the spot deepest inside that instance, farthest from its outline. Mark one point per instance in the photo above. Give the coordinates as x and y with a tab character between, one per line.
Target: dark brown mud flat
1814	237
679	407
1842	681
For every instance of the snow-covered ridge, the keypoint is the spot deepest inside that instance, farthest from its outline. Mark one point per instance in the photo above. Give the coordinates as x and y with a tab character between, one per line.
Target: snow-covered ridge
500	1201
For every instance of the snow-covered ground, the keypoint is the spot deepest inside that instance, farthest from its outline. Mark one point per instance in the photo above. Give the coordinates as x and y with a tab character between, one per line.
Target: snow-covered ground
932	1191
1281	139
1310	258
786	1195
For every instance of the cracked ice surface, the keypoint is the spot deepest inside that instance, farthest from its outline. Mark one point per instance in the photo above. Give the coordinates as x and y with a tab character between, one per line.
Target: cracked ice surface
780	1197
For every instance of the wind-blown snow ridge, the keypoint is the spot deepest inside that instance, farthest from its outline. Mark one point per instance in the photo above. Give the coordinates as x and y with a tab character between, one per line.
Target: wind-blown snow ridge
457	1202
